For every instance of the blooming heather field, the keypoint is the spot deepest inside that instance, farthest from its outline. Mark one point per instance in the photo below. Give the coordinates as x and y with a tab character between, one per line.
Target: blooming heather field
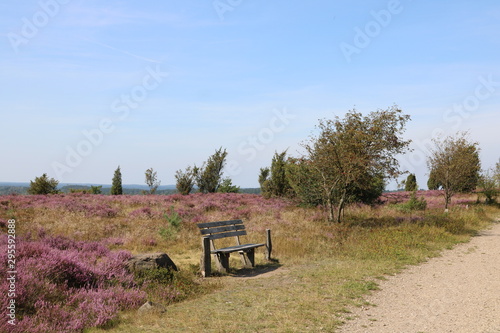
71	249
69	279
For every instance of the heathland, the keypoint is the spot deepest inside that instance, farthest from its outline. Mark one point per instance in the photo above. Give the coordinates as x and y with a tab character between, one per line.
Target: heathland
71	251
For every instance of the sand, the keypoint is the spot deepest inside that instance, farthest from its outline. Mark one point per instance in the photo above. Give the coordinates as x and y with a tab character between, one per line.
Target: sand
456	292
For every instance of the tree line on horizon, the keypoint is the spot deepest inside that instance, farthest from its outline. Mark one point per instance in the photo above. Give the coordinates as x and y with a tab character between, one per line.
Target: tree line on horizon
349	160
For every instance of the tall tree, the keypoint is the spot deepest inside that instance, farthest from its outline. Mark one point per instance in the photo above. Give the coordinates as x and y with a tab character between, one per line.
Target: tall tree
411	183
433	183
455	165
350	152
209	176
152	180
263	180
43	185
185	180
273	181
116	184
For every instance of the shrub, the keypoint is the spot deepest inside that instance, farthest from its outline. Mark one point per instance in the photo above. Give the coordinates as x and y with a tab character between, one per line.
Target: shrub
174	223
413	204
43	185
185	180
167	286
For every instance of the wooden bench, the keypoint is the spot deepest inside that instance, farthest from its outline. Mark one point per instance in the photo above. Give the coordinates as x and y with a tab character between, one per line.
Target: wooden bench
223	229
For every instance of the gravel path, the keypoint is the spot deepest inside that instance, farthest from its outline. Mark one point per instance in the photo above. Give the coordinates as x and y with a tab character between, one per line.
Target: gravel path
457	292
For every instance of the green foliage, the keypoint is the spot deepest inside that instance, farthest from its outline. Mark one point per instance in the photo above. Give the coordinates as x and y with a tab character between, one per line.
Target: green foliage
348	153
43	185
83	189
227	187
489	186
413	204
152	180
411	183
116	184
273	181
455	165
174	219
174	223
433	183
304	181
210	174
185	180
263	179
96	189
158	275
371	191
496	173
166	286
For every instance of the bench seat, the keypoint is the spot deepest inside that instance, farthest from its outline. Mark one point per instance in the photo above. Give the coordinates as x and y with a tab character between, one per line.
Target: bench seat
235	248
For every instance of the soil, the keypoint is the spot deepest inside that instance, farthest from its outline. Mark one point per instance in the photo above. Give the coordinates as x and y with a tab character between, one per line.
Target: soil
456	292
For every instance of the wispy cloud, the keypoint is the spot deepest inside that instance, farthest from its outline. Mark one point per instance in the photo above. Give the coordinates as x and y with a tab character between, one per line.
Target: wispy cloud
123	51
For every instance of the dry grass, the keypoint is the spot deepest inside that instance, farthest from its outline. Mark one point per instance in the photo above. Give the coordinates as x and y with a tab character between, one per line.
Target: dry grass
321	268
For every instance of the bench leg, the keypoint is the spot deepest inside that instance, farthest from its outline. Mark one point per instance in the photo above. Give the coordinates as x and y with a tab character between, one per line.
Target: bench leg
269	244
248	258
205	262
223	262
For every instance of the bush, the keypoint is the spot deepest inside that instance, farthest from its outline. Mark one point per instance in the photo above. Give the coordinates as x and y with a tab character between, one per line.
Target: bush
43	185
166	286
174	223
413	204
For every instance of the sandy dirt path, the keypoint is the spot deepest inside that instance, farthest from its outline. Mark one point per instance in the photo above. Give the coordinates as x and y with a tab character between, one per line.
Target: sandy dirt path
457	292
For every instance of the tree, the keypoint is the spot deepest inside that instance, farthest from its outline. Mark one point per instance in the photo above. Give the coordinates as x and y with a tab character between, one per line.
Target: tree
263	180
210	174
43	185
489	186
411	183
304	181
96	189
350	152
116	185
433	183
369	192
273	181
455	165
227	186
185	180
497	172
152	180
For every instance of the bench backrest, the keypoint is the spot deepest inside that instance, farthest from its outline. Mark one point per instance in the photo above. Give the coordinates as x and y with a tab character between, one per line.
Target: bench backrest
222	229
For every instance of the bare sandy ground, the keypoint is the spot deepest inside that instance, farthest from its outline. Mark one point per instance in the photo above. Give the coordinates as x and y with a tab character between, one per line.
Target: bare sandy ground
457	292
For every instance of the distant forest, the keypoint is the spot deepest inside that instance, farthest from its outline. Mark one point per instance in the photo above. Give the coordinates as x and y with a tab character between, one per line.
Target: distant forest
132	190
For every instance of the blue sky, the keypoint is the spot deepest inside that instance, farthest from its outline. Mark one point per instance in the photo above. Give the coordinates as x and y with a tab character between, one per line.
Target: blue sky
90	85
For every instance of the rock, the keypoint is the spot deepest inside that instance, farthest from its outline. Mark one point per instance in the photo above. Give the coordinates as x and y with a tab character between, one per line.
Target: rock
150	306
147	261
